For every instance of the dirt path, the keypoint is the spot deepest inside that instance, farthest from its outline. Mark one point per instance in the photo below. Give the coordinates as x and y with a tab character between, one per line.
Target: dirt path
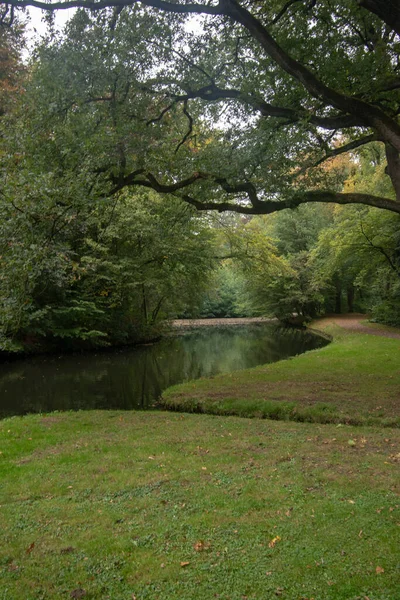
358	323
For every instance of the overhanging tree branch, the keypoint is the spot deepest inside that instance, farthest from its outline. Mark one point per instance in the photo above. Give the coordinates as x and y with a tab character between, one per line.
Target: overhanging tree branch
372	116
269	207
368	114
258	207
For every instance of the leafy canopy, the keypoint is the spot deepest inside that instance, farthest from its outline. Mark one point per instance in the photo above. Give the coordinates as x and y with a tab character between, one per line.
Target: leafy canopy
237	113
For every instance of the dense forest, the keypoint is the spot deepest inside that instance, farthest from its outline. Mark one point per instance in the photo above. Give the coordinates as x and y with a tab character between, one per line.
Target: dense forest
157	165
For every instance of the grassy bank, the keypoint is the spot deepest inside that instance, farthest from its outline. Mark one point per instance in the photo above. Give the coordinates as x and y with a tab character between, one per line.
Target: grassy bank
355	380
169	506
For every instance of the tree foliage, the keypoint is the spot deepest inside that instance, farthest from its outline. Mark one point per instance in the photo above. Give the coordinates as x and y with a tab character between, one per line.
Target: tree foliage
251	107
246	107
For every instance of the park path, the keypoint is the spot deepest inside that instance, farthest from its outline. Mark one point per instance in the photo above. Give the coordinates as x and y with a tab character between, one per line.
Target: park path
358	323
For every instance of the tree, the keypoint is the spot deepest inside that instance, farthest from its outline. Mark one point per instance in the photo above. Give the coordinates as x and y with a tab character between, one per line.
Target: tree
11	67
280	279
278	87
102	276
359	251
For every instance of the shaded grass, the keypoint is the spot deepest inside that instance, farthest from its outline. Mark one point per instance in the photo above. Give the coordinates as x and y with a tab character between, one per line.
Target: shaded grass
354	380
112	503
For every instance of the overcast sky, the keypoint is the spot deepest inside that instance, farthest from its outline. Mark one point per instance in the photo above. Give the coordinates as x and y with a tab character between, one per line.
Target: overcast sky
37	27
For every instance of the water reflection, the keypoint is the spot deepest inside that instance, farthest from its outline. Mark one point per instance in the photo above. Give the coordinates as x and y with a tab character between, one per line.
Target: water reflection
135	378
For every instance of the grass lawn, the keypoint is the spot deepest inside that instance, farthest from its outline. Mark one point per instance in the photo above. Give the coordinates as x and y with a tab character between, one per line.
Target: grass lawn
157	505
354	380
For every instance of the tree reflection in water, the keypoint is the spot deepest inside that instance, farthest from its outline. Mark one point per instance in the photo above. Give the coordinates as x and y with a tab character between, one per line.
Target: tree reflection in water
135	378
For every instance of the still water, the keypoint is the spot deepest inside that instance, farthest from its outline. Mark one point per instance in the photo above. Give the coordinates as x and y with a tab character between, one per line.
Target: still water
135	378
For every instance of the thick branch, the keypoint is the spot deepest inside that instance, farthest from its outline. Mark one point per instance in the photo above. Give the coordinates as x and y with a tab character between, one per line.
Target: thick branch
269	207
100	4
393	167
150	181
372	116
388	11
258	207
215	93
247	188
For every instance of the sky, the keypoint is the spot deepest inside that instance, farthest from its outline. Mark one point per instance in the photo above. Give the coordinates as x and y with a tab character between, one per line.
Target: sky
37	27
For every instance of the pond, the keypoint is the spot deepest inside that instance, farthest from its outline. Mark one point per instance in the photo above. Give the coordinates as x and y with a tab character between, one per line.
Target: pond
135	378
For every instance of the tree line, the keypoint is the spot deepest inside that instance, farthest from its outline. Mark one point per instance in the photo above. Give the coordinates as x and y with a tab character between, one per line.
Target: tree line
122	126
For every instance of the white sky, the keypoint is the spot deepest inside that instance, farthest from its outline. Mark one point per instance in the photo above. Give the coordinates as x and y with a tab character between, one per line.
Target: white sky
37	27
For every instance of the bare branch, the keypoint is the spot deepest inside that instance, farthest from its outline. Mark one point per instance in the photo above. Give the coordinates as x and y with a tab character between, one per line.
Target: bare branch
283	11
194	65
190	130
380	249
162	113
331	152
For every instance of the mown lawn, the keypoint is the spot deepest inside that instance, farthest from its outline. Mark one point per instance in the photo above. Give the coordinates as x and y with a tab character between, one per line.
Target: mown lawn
157	505
355	380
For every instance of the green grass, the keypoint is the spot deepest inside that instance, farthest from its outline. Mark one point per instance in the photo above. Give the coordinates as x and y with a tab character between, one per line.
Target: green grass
113	503
354	380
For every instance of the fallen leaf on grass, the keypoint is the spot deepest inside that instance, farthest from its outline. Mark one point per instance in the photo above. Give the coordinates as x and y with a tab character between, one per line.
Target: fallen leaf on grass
395	457
31	547
200	546
379	570
185	563
78	593
274	541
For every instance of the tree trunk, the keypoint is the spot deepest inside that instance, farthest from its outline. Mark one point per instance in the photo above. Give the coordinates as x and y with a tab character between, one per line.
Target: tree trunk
144	304
338	299
350	298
